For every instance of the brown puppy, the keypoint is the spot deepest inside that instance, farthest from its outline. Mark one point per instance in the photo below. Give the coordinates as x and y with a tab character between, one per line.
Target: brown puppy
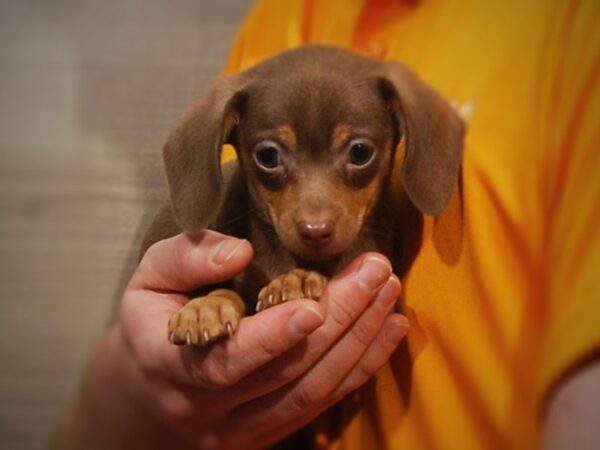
315	130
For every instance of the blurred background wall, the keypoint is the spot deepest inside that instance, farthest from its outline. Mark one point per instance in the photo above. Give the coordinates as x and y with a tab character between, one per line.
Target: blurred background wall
88	92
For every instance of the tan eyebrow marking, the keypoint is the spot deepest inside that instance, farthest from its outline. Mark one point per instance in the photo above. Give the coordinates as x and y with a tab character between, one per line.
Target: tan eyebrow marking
286	134
340	135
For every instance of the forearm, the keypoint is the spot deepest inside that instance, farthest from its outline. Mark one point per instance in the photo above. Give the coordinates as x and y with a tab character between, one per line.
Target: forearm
113	407
280	368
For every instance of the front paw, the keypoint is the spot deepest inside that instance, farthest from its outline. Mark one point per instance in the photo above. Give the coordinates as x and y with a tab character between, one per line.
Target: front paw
293	285
204	320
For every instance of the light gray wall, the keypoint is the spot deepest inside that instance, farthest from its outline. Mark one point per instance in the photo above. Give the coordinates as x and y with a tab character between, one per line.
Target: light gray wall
88	92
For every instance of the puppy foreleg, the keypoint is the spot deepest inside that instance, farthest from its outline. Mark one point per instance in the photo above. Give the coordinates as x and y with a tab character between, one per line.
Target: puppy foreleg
203	320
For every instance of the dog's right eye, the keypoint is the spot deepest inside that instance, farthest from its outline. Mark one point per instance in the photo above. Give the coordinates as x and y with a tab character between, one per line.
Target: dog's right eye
268	156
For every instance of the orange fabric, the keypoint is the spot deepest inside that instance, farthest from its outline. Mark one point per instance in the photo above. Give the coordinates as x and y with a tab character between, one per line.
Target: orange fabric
504	296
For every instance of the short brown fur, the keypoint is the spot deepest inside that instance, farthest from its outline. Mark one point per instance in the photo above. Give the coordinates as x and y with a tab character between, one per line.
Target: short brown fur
315	130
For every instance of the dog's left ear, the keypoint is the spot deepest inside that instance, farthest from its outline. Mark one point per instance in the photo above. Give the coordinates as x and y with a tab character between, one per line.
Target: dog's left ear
433	134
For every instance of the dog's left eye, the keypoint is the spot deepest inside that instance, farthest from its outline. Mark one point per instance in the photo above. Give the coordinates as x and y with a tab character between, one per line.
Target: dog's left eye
268	156
360	154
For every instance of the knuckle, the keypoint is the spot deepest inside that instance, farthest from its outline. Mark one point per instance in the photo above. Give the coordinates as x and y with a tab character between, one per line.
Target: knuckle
210	372
362	333
363	373
270	347
342	314
148	273
212	376
192	257
303	397
150	251
359	377
146	269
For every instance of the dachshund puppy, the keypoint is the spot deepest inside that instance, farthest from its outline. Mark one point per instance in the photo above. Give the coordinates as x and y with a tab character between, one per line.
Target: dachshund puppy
316	130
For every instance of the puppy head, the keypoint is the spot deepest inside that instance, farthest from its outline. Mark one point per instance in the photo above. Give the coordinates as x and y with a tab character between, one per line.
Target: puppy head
315	130
316	148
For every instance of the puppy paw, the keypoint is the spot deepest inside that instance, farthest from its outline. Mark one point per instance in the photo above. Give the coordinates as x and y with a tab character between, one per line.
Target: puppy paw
293	285
204	320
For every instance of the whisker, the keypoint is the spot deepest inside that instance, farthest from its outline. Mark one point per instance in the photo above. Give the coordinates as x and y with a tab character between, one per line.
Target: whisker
375	231
238	218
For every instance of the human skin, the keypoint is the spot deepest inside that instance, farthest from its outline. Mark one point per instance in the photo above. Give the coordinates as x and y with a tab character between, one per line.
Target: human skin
572	419
280	369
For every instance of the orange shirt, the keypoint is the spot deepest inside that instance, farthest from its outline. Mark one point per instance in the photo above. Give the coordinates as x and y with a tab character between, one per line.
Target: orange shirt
504	295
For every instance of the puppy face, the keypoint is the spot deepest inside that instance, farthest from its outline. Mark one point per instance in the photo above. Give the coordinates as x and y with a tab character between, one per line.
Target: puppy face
316	150
315	129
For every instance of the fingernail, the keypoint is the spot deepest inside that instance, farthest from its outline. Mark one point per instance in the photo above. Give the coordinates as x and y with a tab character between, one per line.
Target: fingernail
306	320
396	332
386	298
225	251
373	274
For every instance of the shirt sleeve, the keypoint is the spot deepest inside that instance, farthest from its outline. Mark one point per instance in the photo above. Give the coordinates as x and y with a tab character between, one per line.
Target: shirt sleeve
571	193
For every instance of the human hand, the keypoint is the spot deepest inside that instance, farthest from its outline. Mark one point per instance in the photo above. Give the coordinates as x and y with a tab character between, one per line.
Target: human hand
281	368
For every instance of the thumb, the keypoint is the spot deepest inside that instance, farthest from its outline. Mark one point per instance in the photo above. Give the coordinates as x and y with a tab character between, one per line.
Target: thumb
185	262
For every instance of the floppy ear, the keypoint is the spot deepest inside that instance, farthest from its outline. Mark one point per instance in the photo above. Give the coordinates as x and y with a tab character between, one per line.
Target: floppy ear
433	134
192	155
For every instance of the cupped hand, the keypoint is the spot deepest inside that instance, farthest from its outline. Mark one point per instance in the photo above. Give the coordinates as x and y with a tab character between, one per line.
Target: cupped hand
281	368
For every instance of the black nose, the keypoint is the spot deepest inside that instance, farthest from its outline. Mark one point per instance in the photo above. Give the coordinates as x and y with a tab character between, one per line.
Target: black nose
317	233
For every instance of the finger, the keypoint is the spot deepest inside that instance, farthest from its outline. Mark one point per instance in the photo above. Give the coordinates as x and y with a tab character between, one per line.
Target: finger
185	262
347	296
316	386
258	340
348	350
376	356
253	345
391	334
331	367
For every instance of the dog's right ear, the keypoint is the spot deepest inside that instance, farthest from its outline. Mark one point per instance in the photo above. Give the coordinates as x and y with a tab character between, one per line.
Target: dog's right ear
192	154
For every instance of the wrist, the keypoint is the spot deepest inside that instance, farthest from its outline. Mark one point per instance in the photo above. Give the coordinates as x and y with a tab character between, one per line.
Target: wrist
114	406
